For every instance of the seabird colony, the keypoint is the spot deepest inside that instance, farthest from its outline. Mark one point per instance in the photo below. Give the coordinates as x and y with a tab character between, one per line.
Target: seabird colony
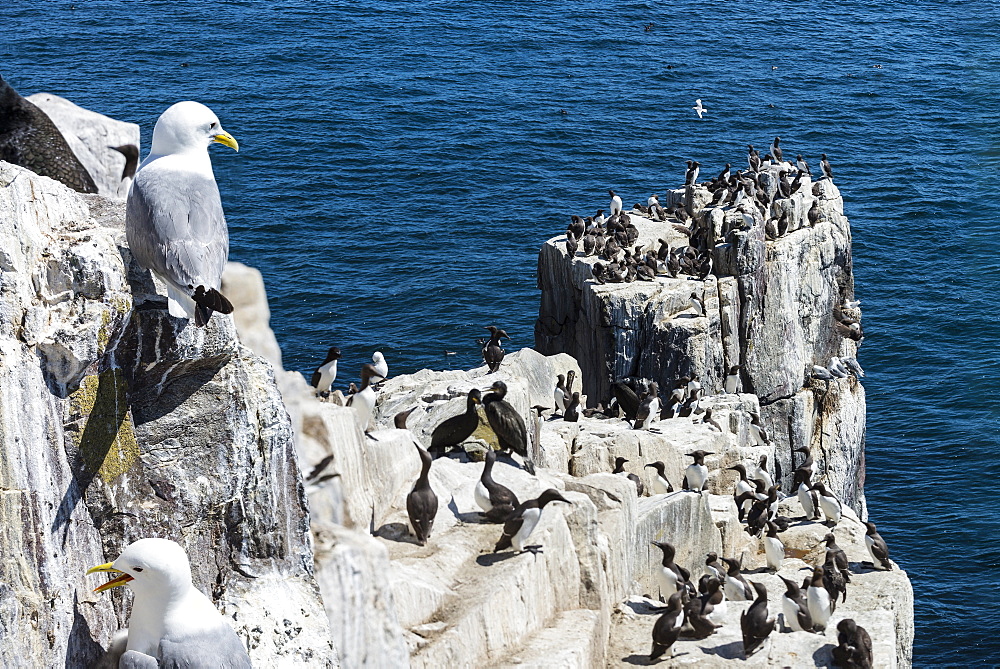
176	228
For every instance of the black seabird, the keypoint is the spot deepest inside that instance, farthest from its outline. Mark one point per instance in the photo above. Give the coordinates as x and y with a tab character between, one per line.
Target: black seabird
737	589
742	491
131	153
877	547
422	503
795	608
628	401
754	623
496	501
29	138
807	496
696	474
825	166
854	646
714	568
661	485
776	150
836	555
492	353
326	373
667	628
507	424
753	158
724	174
453	431
572	413
691	178
522	522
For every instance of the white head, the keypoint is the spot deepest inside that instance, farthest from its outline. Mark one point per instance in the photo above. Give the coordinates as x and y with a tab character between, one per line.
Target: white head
188	127
150	567
378	358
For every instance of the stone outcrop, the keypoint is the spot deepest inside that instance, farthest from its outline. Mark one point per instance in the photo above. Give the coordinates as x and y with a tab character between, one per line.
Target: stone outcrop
769	308
91	135
119	422
578	603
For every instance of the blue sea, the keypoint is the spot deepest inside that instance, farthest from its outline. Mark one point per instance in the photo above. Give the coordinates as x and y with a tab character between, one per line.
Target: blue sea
402	162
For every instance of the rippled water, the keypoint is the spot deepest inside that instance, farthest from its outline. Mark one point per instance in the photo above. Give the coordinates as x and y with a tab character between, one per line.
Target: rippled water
402	162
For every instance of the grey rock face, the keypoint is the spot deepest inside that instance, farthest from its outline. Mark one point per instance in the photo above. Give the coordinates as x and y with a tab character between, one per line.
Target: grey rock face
769	310
118	423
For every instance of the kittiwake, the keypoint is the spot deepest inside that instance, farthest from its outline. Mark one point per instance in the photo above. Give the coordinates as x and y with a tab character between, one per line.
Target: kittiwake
174	221
171	621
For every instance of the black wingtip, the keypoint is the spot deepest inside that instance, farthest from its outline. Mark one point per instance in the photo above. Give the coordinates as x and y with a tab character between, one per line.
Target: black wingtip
207	302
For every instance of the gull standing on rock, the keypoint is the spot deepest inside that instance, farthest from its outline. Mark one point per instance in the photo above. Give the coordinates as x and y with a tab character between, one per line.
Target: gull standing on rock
172	623
380	365
174	221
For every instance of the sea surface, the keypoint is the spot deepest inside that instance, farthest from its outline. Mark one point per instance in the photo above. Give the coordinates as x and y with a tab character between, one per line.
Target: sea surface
402	162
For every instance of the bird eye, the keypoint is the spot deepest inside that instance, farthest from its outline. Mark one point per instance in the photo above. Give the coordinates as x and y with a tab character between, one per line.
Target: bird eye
137	569
214	123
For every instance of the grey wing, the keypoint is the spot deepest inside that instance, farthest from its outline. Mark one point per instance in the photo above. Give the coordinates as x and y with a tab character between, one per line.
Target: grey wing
175	226
219	647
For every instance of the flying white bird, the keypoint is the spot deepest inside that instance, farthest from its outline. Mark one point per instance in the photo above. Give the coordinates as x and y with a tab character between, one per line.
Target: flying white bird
698	108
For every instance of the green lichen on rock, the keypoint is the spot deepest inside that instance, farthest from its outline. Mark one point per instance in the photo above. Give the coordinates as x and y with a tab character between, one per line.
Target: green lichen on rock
107	441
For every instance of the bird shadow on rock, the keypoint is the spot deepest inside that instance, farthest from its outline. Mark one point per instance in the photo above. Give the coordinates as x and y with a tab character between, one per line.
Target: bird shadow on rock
81	649
638	660
731	651
490	559
473	518
645	608
758	570
397	532
823	657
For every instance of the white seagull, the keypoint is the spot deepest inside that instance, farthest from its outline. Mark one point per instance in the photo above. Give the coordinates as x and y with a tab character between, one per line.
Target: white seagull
698	108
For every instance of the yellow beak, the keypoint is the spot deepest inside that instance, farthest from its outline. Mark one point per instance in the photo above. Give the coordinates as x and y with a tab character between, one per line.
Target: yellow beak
113	583
228	140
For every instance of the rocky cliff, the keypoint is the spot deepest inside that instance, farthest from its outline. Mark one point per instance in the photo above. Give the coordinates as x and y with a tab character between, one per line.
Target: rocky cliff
118	422
769	307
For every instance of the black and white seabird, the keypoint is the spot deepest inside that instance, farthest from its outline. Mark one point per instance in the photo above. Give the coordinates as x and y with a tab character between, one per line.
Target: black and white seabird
696	474
802	165
521	523
834	579
724	174
616	203
877	548
737	589
559	394
713	568
808	463
29	138
774	550
326	373
668	626
754	623
732	380
762	474
795	608
453	431
671	577
757	430
507	424
854	646
742	491
825	166
808	497
649	408
422	503
496	501
828	503
660	484
691	178
493	354
363	401
821	605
